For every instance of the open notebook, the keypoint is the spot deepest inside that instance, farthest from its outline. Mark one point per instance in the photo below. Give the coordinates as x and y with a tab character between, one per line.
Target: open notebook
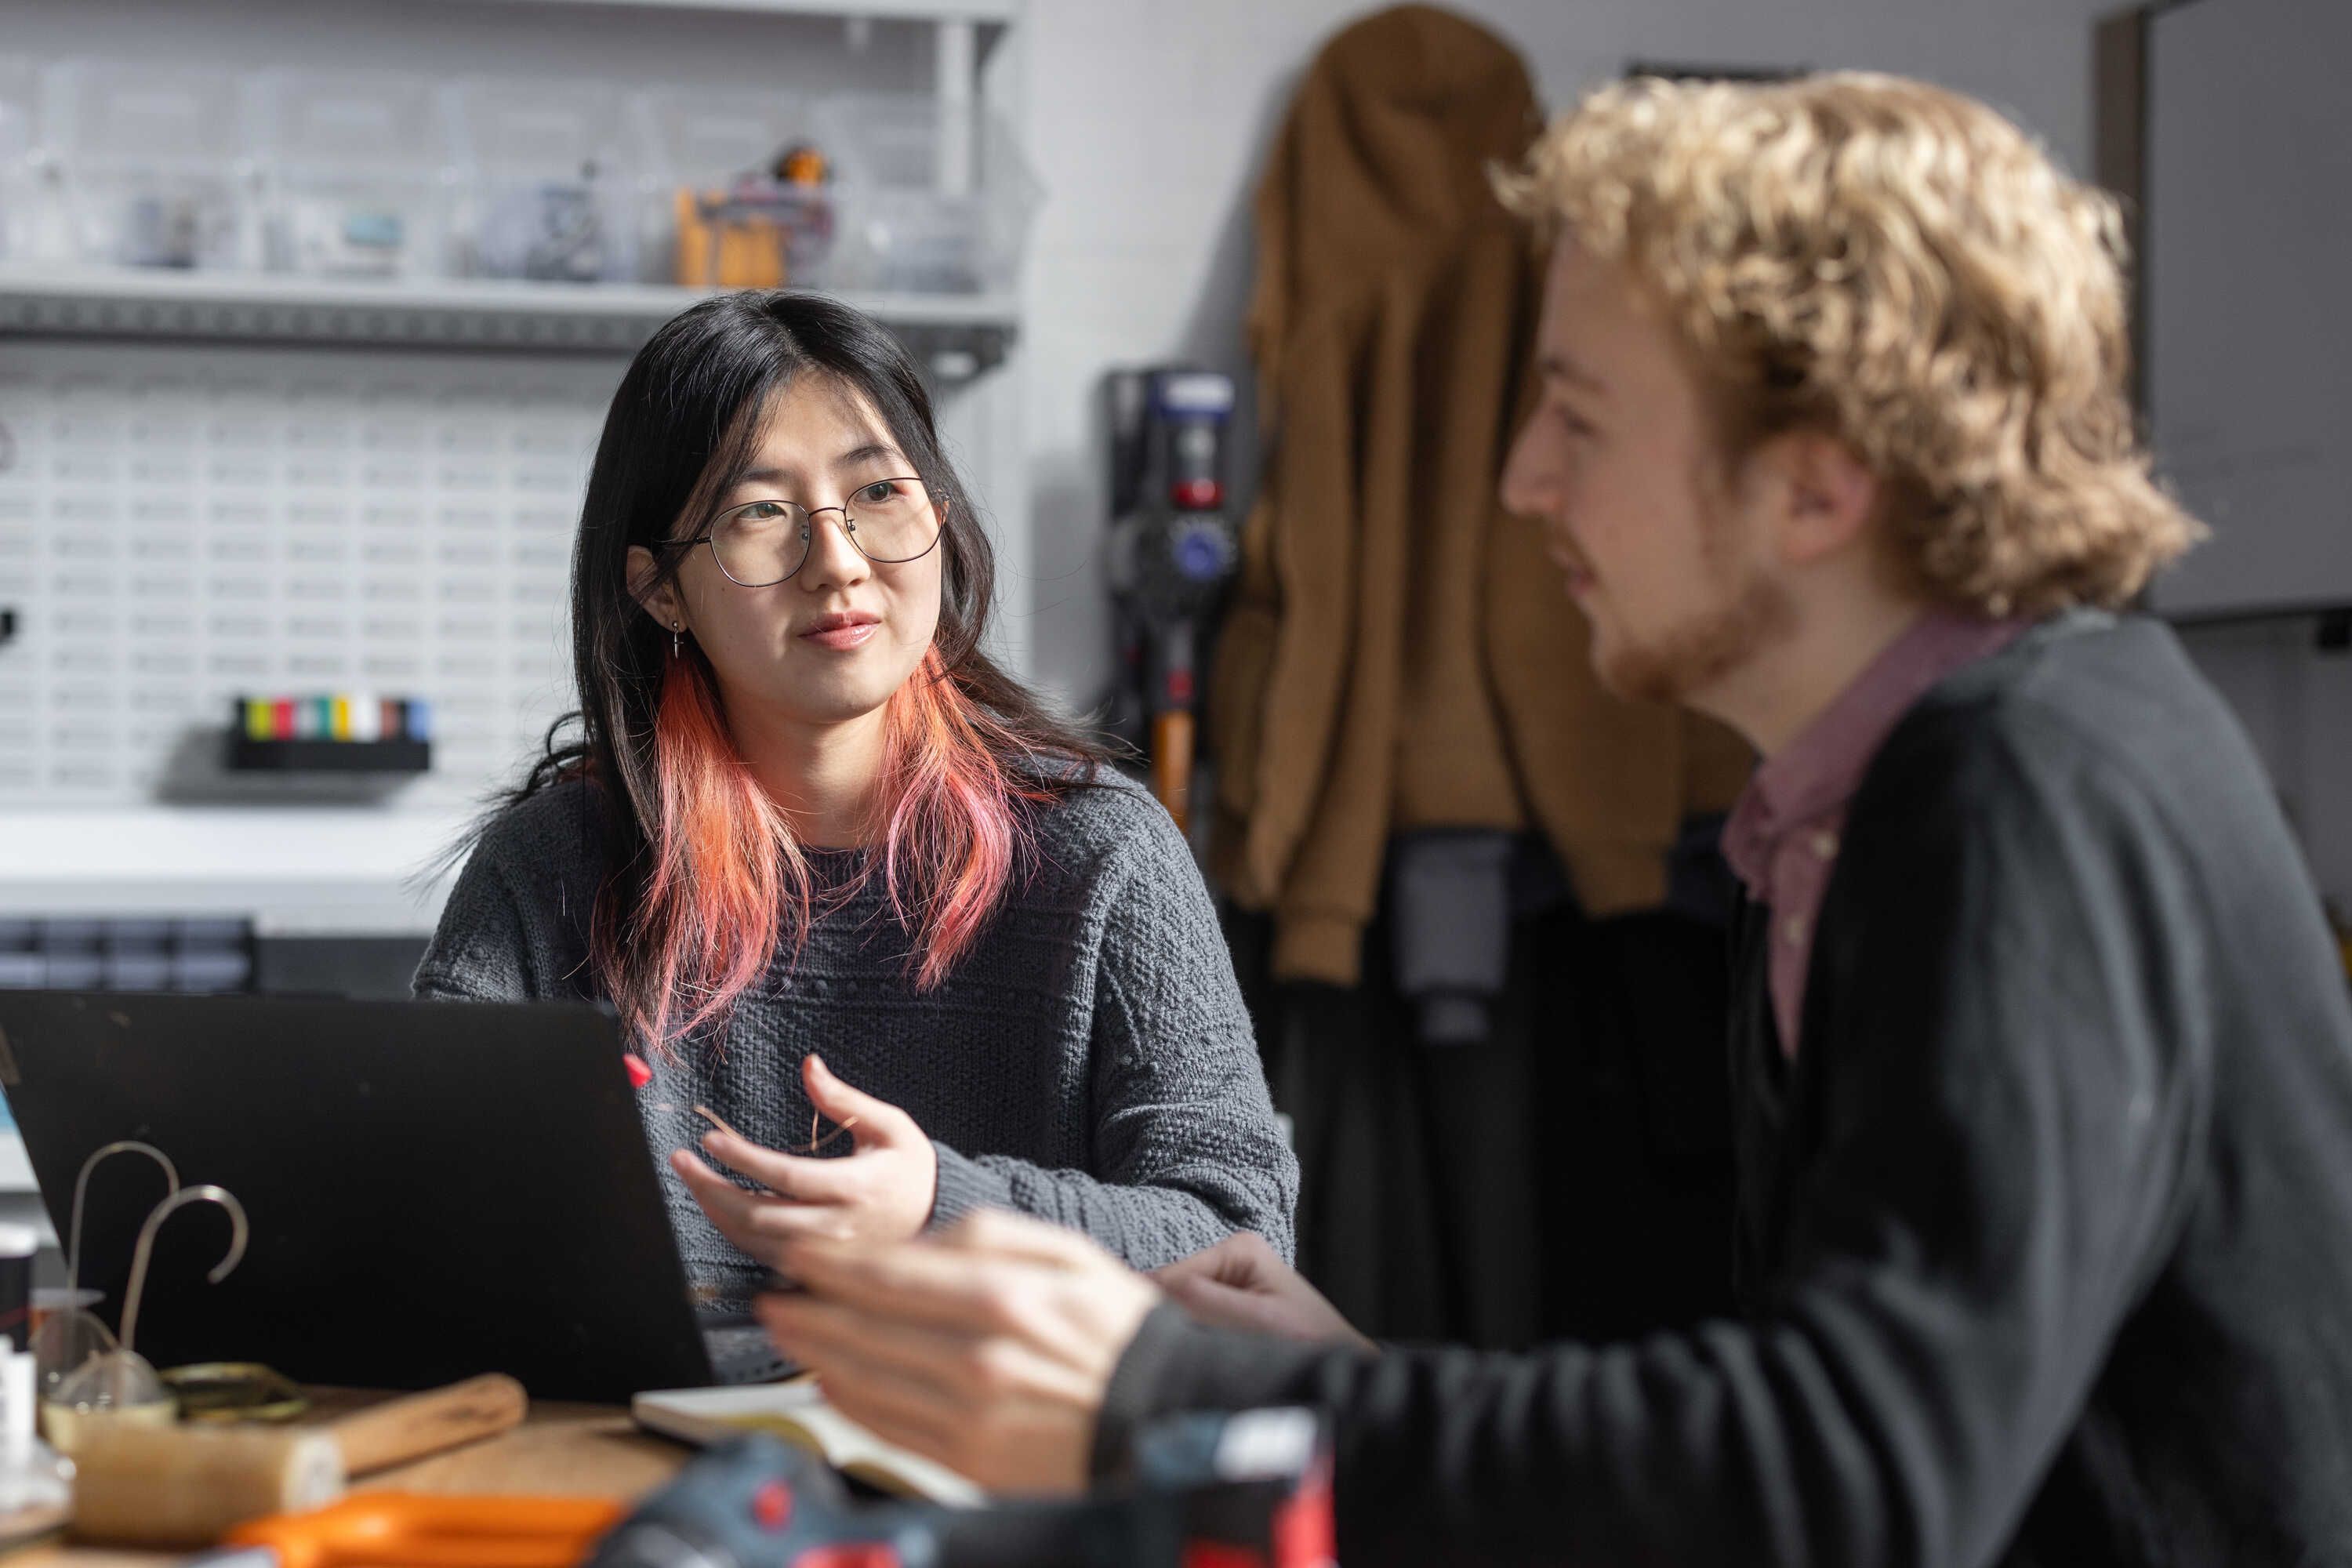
797	1412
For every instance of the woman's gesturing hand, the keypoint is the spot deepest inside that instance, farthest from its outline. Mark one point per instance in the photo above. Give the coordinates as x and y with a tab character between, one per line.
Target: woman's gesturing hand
884	1192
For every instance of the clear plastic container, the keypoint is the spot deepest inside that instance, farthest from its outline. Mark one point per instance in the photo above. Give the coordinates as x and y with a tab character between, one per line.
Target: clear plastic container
549	187
359	172
32	191
158	165
710	138
36	1484
66	1336
929	203
722	207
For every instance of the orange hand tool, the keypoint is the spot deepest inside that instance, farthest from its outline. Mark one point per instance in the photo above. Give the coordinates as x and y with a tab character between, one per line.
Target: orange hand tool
403	1530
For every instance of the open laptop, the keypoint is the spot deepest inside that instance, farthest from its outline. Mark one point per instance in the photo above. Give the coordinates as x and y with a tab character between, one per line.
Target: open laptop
436	1189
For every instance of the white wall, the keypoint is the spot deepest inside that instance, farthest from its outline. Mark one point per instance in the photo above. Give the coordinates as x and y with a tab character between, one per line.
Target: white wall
2296	703
1148	123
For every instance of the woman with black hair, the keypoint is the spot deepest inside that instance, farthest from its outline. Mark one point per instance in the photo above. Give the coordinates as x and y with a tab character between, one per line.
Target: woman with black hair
802	823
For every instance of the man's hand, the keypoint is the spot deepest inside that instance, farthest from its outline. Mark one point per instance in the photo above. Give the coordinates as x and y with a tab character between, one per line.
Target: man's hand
1241	1284
987	1347
884	1192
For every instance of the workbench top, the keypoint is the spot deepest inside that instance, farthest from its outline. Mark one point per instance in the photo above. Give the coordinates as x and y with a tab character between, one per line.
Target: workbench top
560	1449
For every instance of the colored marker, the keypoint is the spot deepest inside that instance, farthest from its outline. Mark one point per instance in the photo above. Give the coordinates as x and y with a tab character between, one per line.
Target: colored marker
366	716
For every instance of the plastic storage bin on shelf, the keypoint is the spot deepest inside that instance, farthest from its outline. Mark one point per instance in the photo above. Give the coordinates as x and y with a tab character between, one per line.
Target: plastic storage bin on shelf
159	166
550	191
196	953
33	226
741	194
360	174
929	201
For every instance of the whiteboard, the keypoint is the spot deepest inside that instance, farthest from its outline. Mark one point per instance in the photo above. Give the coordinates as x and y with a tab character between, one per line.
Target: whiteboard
2249	298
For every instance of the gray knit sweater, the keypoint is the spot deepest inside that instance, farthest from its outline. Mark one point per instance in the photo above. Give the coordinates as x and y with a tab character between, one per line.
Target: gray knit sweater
1088	1061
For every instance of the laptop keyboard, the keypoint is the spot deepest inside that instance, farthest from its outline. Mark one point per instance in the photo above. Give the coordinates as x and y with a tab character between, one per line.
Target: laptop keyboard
743	1353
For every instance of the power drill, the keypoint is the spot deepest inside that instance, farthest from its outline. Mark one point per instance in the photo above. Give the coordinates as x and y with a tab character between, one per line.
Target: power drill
1247	1491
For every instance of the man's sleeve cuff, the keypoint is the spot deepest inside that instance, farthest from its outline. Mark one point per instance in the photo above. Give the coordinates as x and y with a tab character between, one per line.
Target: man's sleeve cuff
1175	1364
1129	1400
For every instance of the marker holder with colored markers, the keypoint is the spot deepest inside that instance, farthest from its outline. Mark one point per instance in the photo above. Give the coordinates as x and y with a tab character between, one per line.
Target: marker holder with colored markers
341	731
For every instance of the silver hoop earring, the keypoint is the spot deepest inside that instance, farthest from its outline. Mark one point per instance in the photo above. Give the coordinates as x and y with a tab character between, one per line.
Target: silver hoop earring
676	650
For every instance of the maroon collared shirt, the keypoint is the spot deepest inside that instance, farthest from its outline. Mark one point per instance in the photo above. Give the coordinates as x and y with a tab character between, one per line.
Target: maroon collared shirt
1783	835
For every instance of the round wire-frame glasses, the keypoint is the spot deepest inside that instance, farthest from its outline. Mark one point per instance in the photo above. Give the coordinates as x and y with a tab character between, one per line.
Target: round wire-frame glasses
889	521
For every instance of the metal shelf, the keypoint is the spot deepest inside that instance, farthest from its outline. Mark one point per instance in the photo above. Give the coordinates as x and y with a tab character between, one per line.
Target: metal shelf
957	336
997	13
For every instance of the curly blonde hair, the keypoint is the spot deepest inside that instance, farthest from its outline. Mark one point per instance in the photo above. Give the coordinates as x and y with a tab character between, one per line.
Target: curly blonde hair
1901	267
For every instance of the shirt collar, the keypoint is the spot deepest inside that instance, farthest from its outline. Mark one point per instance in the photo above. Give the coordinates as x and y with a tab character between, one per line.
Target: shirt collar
1814	776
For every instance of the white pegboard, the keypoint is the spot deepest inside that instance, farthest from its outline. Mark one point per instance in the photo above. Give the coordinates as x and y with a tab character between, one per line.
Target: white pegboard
180	526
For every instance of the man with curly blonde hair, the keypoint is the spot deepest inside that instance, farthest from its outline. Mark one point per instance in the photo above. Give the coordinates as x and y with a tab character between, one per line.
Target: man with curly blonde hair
2042	1064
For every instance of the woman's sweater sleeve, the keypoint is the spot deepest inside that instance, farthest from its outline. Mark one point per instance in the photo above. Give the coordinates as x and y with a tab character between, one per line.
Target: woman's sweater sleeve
482	950
1186	1149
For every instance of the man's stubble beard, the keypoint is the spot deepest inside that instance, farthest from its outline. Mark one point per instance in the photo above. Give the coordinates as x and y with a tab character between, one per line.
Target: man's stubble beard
1748	616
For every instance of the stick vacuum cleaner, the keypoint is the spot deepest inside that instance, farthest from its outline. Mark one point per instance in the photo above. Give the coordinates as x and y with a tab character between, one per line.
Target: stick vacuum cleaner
1173	552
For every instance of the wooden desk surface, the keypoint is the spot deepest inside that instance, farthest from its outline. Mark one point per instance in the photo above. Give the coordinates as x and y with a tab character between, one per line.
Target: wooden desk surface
577	1450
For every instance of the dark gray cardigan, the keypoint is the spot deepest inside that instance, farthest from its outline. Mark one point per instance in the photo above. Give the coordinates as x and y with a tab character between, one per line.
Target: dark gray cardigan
2046	1238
